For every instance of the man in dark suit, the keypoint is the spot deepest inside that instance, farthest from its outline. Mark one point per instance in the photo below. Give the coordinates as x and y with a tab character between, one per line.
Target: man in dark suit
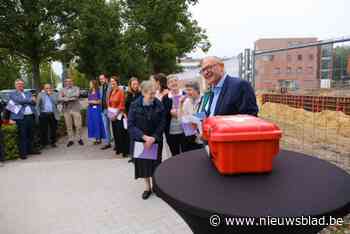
229	95
24	117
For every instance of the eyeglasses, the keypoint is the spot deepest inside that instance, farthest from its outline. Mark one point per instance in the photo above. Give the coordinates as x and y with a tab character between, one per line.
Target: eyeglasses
207	68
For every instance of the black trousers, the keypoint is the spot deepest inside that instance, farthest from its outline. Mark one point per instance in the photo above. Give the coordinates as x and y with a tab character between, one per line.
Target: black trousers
2	150
191	144
25	129
48	127
176	143
121	137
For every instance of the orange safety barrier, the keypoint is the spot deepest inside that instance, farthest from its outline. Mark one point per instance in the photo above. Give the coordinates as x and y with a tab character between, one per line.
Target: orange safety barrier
310	103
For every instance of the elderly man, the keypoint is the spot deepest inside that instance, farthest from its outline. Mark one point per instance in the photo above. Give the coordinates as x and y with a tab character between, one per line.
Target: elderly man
105	90
24	116
48	115
229	95
69	96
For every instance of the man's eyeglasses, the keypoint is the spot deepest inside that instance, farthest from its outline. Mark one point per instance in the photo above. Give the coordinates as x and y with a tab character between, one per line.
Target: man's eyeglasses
207	68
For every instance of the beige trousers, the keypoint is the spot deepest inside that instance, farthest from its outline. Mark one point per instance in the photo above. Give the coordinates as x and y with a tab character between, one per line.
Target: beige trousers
71	117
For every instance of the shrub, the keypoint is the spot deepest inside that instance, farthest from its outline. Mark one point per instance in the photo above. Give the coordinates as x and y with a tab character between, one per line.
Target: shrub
10	141
11	136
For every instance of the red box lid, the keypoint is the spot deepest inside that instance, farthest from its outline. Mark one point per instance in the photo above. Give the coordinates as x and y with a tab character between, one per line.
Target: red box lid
239	128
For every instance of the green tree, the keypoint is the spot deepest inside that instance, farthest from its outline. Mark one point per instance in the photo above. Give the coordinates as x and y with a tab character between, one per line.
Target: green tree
32	30
165	31
47	75
78	78
10	70
96	41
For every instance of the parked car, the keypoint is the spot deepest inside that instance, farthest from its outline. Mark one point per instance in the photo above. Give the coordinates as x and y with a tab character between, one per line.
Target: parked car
84	93
5	95
125	88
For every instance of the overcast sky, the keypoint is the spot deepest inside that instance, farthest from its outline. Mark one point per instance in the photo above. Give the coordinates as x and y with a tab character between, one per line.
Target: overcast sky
233	25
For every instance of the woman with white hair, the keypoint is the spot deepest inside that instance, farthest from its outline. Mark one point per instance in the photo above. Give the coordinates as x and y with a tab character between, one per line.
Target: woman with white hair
173	129
146	122
189	107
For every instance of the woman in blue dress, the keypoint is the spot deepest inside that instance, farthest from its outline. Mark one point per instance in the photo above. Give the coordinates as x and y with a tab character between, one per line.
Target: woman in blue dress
95	125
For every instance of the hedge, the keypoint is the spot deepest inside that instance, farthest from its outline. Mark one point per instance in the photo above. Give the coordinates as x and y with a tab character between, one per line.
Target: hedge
11	136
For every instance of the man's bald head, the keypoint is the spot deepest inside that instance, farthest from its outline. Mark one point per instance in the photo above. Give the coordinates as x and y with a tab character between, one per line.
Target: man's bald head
212	69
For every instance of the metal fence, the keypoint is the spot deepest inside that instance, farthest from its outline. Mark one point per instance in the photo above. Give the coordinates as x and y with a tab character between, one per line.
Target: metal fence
303	85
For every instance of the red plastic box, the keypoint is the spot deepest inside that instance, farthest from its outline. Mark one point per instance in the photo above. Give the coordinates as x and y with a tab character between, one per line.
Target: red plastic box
241	143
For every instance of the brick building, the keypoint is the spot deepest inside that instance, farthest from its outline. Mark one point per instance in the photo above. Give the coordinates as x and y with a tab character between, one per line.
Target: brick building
294	69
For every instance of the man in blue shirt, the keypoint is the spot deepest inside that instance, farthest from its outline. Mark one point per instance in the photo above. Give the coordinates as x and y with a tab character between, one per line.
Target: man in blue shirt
24	115
48	115
229	95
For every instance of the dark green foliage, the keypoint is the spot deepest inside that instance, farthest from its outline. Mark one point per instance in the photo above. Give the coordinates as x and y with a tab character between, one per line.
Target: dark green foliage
164	30
10	141
10	67
31	30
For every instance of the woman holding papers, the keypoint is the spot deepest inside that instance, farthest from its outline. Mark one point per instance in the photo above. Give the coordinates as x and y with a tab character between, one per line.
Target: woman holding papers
146	122
188	108
116	108
173	130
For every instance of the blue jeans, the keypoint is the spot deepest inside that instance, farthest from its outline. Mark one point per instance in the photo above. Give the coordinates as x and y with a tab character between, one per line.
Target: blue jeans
107	126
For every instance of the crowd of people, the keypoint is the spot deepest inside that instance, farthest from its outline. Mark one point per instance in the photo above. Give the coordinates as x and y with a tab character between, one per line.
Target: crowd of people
146	113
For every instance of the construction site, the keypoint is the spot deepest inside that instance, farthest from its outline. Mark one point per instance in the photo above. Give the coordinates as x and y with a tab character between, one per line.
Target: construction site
303	85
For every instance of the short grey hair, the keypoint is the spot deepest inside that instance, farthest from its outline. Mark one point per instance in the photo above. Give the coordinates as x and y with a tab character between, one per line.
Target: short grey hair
214	58
147	85
172	77
19	80
194	85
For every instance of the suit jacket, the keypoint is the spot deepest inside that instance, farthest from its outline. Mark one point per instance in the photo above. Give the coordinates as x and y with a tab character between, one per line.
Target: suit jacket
40	104
18	99
146	120
237	97
109	88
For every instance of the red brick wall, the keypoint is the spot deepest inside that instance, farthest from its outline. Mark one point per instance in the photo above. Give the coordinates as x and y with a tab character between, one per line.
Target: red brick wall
268	77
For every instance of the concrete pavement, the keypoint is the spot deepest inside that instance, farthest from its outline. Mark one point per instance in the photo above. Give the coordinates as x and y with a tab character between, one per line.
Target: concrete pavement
79	190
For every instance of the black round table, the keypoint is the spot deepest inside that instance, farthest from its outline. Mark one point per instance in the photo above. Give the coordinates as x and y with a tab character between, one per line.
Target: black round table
300	186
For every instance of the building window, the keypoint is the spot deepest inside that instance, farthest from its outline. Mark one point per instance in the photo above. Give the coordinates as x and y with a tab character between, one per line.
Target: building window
310	70
300	57
289	57
325	74
311	57
289	70
268	57
299	70
277	71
